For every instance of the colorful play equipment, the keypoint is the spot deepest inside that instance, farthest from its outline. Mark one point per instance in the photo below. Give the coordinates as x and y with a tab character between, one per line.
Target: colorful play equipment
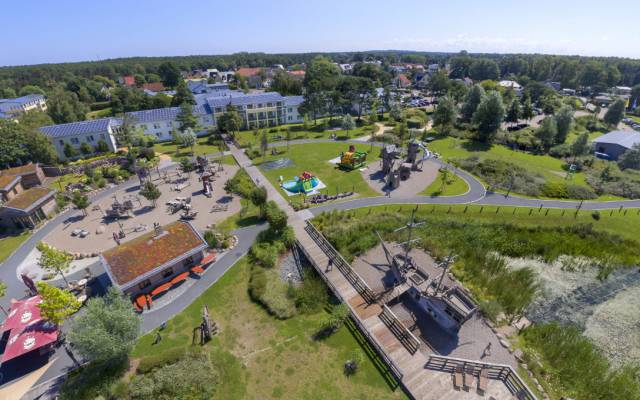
304	183
352	159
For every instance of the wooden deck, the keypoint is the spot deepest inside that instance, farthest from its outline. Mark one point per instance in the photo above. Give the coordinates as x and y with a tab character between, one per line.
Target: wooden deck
418	381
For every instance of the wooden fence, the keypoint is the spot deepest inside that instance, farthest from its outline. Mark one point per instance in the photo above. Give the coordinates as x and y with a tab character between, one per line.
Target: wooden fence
404	335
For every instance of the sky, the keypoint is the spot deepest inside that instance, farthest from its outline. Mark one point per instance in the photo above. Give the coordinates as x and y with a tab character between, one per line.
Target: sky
45	31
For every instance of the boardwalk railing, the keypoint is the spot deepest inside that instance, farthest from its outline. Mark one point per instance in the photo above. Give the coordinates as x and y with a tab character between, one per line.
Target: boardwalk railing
504	373
343	266
404	335
395	370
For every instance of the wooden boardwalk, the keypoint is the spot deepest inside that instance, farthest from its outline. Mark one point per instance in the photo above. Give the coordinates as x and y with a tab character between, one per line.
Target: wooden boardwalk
408	366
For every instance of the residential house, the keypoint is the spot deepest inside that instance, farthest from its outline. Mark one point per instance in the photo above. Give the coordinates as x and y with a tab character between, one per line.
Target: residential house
162	122
622	91
76	133
553	85
297	74
568	92
257	110
292	112
345	68
615	143
603	100
513	85
137	266
12	108
254	76
127	80
154	87
401	82
25	203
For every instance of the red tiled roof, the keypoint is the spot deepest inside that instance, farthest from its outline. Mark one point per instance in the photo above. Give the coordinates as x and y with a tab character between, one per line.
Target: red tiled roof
297	72
248	72
148	252
129	80
154	86
403	78
28	198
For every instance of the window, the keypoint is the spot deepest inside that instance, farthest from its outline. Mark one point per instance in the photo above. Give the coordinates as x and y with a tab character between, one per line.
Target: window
75	140
167	273
158	134
219	109
156	126
290	118
170	124
90	138
144	284
249	106
260	105
188	261
61	142
290	110
269	104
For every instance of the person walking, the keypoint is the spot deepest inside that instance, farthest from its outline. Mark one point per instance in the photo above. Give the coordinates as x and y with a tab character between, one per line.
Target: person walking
329	265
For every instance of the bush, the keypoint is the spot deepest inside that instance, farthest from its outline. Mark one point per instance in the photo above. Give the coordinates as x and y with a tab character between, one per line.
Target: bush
555	189
504	175
257	283
211	239
312	295
415	123
596	215
560	151
580	192
159	360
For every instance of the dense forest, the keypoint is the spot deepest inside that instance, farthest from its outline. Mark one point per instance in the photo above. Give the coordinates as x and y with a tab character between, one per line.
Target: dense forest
571	71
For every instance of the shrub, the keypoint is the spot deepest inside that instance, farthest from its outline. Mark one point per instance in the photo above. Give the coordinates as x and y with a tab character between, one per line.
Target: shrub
312	295
555	189
257	283
158	360
504	175
415	123
211	239
596	215
560	151
580	192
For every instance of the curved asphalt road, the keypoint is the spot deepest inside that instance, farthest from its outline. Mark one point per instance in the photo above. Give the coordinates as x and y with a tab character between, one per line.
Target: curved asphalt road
476	194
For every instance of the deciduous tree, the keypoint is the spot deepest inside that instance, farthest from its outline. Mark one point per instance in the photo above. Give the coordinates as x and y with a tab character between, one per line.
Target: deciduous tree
57	304
445	114
150	192
615	113
107	329
471	102
489	116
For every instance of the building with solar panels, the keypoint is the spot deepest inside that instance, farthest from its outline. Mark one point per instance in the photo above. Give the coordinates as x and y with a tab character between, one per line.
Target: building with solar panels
75	133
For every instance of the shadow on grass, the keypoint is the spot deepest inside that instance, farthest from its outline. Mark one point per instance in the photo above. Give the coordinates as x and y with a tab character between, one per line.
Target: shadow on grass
472	145
248	221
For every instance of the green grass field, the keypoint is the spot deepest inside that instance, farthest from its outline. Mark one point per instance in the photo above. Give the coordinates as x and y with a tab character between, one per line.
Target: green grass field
99	113
249	138
262	357
549	167
8	244
634	117
315	158
454	187
171	149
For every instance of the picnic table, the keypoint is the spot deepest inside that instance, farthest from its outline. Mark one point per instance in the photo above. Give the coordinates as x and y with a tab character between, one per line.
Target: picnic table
219	207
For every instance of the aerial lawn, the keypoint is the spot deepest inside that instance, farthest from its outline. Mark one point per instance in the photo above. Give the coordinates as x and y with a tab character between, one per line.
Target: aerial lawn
9	243
177	153
314	158
260	356
454	186
99	113
249	138
549	167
